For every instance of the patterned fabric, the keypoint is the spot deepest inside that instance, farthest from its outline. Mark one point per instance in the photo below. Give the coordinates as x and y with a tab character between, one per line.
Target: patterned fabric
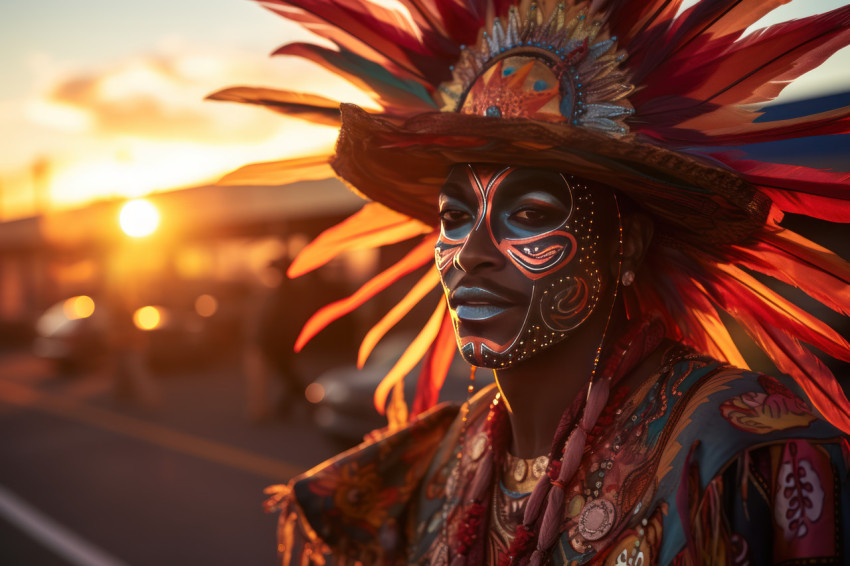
703	464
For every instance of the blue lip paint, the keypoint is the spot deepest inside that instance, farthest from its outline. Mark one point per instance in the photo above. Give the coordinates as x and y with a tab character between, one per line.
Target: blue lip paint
477	294
479	312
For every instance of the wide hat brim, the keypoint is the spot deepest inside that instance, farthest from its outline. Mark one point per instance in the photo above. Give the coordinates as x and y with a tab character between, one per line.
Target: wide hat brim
403	165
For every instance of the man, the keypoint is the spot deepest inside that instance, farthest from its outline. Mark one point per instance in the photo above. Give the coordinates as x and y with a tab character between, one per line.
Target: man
567	162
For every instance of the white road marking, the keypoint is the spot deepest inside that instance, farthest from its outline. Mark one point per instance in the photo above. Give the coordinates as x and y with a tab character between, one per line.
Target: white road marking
51	534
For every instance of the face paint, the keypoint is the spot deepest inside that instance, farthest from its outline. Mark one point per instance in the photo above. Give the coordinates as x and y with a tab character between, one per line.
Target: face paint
518	256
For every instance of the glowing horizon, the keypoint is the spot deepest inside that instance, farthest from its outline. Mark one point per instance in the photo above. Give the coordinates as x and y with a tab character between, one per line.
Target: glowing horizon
100	128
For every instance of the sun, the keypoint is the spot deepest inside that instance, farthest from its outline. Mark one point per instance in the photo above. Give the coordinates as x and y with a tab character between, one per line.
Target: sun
138	218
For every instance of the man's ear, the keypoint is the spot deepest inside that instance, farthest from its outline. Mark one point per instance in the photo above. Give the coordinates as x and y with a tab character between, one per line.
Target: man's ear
638	229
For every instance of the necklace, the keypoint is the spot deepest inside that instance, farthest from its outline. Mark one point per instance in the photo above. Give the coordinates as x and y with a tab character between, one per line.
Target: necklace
517	479
521	474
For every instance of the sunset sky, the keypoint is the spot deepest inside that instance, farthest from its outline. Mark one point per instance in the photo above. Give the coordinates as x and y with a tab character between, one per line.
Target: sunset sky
101	99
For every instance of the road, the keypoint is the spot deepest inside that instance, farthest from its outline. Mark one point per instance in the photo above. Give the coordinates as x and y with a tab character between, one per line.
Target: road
85	479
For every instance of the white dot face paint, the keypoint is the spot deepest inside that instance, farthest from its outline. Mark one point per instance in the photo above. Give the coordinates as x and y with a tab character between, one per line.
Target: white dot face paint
518	256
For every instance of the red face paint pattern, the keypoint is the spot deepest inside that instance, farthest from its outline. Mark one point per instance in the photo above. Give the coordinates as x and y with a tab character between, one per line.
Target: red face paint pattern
536	256
565	301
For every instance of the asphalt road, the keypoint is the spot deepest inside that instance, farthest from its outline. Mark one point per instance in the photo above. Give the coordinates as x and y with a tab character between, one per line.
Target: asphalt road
86	479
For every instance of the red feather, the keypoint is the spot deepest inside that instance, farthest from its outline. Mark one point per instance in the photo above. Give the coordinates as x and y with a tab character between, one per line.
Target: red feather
639	23
824	208
789	177
702	326
738	292
403	37
397	93
753	69
790	258
727	125
698	25
350	38
804	367
435	367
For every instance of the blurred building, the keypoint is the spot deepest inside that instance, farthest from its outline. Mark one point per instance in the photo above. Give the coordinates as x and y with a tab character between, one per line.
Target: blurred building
213	255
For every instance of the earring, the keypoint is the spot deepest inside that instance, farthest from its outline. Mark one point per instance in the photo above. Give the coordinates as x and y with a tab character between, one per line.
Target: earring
628	277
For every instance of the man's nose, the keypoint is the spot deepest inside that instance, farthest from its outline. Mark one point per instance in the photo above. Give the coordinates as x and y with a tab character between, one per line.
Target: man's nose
479	251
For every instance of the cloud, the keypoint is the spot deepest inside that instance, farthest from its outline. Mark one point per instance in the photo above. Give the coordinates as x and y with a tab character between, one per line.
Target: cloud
141	124
156	96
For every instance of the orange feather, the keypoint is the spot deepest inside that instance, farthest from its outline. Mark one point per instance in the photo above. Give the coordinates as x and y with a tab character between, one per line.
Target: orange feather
416	294
435	367
411	356
372	226
284	172
417	257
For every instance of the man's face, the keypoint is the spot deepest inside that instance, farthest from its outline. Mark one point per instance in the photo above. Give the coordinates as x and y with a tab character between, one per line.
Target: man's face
518	255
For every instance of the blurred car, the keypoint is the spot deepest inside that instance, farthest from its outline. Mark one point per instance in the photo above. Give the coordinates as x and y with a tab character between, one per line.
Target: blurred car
71	334
74	335
342	397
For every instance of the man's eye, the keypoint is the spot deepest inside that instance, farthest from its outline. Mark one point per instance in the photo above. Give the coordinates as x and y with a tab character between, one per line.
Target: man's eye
453	217
531	216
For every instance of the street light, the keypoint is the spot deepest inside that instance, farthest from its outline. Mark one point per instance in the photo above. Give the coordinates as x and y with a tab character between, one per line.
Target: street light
148	318
138	218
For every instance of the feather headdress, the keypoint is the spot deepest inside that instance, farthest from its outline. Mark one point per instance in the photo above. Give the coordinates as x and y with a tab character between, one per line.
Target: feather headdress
641	95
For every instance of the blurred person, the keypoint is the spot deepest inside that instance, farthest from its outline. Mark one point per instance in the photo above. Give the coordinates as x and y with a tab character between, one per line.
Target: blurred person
269	353
127	358
127	345
563	170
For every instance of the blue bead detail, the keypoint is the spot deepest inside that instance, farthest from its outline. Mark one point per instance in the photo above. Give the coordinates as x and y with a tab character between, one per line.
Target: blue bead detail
508	71
566	105
540	85
493	112
512	494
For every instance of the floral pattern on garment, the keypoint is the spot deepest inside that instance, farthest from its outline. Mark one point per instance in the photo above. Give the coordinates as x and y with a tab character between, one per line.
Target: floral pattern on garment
775	408
702	464
775	504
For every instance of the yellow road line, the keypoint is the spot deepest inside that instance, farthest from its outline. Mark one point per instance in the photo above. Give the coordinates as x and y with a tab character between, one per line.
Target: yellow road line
180	442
